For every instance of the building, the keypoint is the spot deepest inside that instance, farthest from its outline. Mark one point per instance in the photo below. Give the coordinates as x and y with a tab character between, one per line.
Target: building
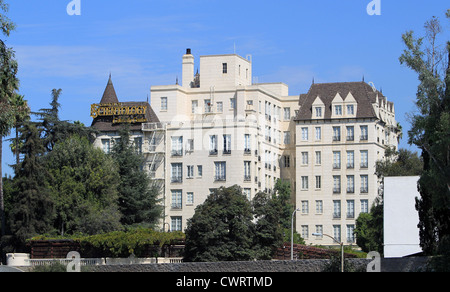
401	237
342	129
218	128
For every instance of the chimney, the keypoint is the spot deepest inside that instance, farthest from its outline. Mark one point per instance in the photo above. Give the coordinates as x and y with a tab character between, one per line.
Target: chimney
188	69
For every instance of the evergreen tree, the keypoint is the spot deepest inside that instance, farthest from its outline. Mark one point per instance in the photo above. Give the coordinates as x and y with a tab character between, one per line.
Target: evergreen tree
138	198
221	228
32	209
430	132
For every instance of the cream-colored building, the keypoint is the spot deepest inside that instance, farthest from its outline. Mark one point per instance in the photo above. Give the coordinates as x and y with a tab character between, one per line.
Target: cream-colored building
218	128
342	129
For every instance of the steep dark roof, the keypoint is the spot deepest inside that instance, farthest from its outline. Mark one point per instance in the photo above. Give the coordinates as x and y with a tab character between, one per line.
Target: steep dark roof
105	123
109	95
363	93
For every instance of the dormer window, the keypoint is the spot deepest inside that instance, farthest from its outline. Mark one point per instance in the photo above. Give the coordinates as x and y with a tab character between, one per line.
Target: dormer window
338	110
318	111
350	109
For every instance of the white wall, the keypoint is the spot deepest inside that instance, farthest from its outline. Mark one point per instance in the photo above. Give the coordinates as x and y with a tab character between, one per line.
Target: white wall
401	234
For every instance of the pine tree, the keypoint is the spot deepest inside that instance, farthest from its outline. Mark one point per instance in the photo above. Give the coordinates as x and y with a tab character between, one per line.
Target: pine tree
138	198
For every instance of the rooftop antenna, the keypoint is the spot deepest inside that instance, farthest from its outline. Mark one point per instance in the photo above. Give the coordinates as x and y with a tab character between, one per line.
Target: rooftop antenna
234	48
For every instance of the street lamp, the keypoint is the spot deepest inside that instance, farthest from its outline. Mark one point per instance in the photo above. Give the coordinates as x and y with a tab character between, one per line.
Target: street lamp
292	233
335	240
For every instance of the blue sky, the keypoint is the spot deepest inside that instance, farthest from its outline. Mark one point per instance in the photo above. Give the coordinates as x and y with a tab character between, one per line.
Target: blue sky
141	44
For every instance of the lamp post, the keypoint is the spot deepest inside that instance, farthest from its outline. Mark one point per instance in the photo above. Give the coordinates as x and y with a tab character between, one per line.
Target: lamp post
335	240
292	233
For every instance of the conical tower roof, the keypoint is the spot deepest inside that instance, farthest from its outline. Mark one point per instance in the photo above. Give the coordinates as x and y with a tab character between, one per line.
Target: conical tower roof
109	96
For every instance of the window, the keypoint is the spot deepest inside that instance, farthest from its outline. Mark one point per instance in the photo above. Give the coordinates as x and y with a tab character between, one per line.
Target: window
176	172
305	158
304	134
336	133
318	112
364	206
350	159
224	68
287	113
350	209
305	231
219	107
350	133
207	105
350	109
194	105
248	194
364	184
350	184
226	144
163	103
336	184
286	161
318	133
175	223
176	199
364	133
287	137
189	198
305	207
138	145
232	103
247	145
318	157
106	144
338	110
177	146
336	159
337	232
364	159
319	207
199	170
350	233
318	182
319	230
247	175
336	209
220	171
190	145
190	171
213	145
304	182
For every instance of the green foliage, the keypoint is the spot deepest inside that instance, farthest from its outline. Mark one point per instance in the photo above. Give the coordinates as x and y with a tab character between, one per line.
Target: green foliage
227	227
430	132
399	163
82	181
369	230
137	198
221	228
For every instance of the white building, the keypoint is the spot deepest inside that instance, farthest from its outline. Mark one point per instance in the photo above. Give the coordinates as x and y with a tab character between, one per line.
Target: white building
401	234
219	129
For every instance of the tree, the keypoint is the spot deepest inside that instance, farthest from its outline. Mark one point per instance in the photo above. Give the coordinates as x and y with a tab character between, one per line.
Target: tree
82	181
8	85
398	163
430	132
221	228
32	209
138	200
268	231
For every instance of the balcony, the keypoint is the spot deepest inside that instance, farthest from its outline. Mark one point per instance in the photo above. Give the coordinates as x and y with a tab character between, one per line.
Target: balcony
177	179
227	151
220	178
247	151
177	153
247	178
213	152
